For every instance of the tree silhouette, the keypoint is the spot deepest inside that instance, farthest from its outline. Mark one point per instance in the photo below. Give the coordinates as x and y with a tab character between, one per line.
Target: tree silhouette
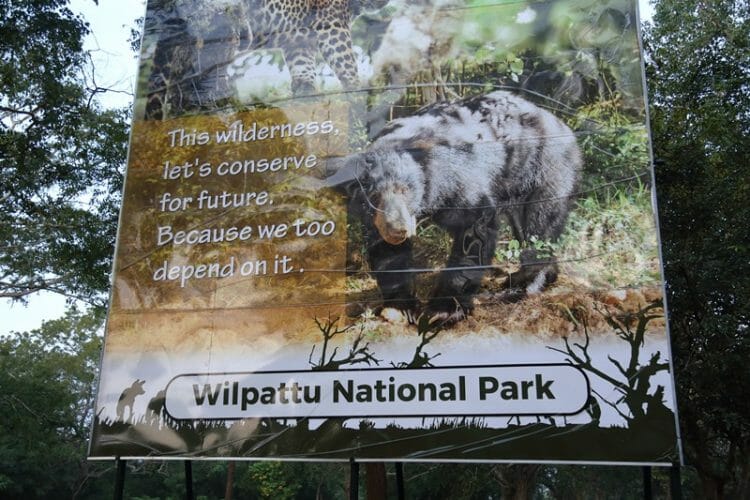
634	380
358	353
427	331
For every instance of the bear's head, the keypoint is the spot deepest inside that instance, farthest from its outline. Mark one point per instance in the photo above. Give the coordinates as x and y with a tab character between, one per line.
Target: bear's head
392	183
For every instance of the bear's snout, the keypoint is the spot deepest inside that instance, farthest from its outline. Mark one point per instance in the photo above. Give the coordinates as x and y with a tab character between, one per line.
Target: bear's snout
393	220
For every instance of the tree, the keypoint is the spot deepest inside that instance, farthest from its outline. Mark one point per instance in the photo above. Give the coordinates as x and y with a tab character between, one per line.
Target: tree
566	482
698	75
47	378
61	157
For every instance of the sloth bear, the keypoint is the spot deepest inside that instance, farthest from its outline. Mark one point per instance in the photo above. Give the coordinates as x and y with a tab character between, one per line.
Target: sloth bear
463	164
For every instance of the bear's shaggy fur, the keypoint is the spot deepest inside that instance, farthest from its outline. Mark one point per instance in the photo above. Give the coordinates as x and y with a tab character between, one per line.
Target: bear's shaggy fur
462	164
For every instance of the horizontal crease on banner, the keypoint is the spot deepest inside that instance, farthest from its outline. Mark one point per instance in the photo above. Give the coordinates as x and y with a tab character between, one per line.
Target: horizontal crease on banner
204	223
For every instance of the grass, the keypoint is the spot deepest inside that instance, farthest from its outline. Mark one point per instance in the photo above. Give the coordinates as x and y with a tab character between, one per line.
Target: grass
610	241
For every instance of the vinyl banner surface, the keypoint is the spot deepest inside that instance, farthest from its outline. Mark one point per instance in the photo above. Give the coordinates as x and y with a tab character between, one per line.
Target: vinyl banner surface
388	230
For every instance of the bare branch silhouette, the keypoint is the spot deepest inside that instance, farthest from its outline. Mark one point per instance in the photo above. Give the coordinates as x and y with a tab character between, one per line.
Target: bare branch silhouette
358	353
427	331
636	377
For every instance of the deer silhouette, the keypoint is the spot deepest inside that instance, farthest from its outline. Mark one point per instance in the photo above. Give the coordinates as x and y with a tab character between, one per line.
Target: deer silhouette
127	398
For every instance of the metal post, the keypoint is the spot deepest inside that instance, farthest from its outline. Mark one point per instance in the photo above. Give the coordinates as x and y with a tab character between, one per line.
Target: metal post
353	480
675	482
119	478
400	481
189	480
647	491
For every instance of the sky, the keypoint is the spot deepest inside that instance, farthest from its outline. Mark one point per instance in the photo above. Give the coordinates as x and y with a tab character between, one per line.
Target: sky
115	66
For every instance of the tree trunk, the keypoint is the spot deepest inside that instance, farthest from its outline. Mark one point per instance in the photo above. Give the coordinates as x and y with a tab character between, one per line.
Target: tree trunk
711	486
743	481
517	482
377	487
230	481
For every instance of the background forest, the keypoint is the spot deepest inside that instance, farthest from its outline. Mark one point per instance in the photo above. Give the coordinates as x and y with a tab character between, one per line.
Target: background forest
61	161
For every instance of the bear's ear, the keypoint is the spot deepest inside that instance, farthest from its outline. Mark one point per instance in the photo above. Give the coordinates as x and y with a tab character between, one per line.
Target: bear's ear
333	164
341	172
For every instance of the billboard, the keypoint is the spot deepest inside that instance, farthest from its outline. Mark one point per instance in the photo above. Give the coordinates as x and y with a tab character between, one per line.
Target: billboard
388	230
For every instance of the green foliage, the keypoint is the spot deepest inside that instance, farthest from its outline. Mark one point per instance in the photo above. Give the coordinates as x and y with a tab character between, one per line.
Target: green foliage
272	480
598	482
47	378
698	80
566	53
454	481
512	251
290	480
610	240
60	157
614	146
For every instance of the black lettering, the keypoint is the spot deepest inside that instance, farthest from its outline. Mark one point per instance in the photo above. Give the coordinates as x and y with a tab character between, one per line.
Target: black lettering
340	391
364	393
425	388
525	386
311	398
249	396
543	389
510	390
212	396
487	385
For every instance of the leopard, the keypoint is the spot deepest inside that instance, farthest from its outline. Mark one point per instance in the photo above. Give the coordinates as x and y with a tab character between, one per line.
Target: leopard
196	40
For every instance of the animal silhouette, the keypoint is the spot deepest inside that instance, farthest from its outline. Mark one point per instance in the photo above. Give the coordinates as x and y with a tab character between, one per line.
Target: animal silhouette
155	409
127	399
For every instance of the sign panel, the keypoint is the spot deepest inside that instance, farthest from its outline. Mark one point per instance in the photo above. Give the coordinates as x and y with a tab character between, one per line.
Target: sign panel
461	391
388	230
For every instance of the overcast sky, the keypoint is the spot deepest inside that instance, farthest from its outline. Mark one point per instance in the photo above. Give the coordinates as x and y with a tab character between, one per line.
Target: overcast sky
116	65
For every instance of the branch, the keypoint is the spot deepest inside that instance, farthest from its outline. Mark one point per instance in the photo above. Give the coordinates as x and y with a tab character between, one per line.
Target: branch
95	88
619	366
356	354
613	405
22	290
427	332
585	361
11	115
17	111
